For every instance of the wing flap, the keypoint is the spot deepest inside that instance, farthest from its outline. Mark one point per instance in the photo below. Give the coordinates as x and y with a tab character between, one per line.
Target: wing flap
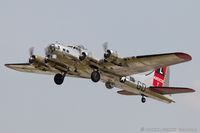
170	90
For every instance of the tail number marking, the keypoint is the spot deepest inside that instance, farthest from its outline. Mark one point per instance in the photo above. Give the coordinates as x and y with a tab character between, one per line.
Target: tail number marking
141	86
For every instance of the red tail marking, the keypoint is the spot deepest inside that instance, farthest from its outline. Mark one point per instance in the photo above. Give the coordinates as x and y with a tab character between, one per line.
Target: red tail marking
159	77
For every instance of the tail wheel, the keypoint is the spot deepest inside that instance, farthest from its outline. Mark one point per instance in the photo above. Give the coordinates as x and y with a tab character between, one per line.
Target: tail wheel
109	85
95	76
58	79
143	99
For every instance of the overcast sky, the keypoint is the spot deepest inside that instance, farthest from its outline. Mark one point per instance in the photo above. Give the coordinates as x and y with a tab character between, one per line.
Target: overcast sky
31	103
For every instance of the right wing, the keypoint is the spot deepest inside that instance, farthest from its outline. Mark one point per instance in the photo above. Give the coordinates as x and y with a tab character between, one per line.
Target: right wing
139	64
26	67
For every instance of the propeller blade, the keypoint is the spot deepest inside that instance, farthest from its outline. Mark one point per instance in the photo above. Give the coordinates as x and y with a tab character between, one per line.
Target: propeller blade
46	51
31	51
105	46
90	54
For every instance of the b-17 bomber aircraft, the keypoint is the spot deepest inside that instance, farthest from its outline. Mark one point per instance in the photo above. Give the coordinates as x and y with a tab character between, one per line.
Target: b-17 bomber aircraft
150	72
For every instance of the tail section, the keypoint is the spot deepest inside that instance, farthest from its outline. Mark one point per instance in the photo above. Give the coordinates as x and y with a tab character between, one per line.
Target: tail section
161	83
158	77
158	82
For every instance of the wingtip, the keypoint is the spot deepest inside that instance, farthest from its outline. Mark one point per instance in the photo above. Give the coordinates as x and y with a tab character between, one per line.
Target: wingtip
189	90
184	56
192	90
7	65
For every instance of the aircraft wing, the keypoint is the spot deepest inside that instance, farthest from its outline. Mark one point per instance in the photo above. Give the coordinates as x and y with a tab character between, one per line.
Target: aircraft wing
161	90
139	64
26	67
155	96
170	90
126	93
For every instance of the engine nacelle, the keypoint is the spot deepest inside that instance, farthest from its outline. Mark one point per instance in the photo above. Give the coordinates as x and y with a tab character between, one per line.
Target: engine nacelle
123	79
109	85
37	60
83	56
110	55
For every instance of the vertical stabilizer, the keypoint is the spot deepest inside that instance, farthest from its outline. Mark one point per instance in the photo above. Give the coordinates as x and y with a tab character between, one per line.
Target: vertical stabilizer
161	77
167	78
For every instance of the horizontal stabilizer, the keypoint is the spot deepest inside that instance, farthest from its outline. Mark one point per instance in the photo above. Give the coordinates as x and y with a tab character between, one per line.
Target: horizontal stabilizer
170	90
124	92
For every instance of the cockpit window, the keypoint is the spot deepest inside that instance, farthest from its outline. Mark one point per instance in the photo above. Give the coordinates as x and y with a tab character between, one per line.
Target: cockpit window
78	48
132	79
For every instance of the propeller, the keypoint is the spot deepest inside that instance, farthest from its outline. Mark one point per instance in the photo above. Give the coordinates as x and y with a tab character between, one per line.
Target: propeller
31	54
107	52
105	46
31	51
46	51
89	54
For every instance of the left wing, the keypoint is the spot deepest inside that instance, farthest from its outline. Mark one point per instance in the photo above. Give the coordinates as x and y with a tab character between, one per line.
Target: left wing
139	64
27	67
